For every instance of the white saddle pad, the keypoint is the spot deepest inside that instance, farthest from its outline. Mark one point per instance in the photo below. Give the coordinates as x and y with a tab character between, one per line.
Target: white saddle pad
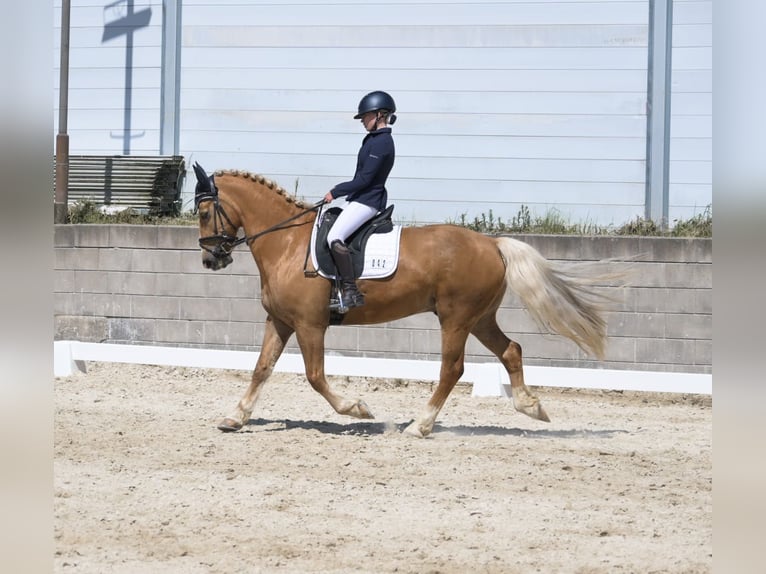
381	255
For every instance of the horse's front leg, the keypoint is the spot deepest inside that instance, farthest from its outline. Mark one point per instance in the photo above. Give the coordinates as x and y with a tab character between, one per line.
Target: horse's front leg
275	338
311	342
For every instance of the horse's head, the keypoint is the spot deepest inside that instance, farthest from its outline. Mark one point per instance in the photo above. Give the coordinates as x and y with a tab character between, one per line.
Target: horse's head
217	233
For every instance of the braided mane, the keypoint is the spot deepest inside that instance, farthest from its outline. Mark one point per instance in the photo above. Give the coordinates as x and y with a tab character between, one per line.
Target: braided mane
278	189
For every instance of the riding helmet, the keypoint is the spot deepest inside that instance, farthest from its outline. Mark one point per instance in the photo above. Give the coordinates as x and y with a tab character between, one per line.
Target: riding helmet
376	101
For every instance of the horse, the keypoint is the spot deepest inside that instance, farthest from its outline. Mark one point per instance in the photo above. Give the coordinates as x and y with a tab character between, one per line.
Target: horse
456	273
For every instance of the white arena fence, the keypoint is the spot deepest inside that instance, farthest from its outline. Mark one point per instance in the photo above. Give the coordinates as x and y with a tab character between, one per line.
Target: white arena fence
488	379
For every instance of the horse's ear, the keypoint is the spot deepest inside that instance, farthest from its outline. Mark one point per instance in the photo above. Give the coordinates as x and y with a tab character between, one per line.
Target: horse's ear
205	187
200	173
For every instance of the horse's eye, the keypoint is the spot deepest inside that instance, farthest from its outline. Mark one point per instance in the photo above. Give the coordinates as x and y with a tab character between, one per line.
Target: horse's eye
204	215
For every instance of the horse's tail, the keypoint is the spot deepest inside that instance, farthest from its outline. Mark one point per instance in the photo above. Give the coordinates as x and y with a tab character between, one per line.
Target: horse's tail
562	302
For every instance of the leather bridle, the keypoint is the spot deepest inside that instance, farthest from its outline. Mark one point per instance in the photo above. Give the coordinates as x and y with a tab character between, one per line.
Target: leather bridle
221	244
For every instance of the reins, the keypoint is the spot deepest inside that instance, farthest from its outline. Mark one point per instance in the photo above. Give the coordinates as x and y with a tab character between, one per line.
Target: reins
226	243
250	238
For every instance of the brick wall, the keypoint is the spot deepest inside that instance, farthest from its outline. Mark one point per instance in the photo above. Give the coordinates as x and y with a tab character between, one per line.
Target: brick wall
146	285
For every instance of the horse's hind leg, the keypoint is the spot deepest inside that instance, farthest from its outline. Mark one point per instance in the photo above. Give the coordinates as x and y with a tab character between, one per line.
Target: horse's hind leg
311	341
453	360
509	353
275	338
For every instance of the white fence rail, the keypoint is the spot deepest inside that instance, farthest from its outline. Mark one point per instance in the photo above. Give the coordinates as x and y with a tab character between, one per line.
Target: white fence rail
489	379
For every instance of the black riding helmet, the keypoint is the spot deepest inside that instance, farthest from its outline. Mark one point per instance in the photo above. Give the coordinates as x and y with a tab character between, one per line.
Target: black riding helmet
377	101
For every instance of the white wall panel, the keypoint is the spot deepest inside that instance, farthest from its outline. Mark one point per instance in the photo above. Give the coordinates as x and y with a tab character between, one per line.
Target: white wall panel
112	55
690	171
692	149
514	94
383	4
112	98
694	58
691	143
88	78
99	87
691	35
95	13
422	146
691	194
691	126
465	102
549	193
692	104
501	104
614	215
687	12
432	124
416	35
104	142
465	169
92	37
104	117
441	14
426	58
361	79
697	81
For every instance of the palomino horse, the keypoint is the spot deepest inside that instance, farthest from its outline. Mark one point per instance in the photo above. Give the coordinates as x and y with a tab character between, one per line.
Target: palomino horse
458	274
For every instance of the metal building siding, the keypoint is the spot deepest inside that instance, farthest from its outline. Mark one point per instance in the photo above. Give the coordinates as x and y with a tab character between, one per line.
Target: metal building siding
500	103
541	102
691	130
98	80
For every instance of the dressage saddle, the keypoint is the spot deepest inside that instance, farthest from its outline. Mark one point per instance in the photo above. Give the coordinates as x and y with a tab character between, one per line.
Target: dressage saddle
356	242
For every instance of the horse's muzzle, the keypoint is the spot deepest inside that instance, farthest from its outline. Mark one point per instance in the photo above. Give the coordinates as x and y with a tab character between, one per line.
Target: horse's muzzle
215	261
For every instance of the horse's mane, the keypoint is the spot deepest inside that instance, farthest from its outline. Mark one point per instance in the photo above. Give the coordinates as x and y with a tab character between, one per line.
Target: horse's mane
278	189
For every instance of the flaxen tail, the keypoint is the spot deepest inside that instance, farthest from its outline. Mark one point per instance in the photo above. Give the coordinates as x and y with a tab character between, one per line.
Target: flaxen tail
561	301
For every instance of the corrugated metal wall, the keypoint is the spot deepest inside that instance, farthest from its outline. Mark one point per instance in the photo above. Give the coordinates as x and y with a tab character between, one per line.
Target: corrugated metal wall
691	127
500	103
100	85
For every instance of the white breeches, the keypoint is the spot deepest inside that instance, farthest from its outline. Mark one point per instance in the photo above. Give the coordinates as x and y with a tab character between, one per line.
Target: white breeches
351	218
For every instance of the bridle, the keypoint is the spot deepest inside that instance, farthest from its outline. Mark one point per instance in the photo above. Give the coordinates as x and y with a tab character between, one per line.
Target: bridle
221	244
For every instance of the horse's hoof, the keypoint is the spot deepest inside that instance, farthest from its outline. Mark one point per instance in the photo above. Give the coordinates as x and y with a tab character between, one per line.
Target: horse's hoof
365	410
536	411
229	425
413	430
360	410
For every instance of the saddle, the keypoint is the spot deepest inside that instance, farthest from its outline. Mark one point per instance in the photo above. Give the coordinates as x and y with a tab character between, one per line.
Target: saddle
356	242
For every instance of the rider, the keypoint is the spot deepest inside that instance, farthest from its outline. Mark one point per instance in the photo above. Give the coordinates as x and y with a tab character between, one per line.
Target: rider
366	194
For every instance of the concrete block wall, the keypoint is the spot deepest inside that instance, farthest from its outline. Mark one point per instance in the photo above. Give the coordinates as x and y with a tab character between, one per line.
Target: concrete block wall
146	285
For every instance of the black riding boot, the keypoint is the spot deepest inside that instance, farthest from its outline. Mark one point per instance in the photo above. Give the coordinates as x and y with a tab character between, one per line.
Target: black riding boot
350	295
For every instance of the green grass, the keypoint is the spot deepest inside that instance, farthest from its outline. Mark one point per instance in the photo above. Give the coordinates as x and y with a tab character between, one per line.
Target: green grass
552	223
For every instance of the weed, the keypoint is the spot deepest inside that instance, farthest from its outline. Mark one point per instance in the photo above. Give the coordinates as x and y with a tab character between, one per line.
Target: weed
552	223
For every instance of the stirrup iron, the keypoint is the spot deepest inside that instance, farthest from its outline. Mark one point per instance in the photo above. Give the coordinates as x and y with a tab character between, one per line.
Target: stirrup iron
336	299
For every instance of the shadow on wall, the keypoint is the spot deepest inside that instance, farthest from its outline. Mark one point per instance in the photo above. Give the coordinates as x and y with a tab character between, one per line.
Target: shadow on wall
120	19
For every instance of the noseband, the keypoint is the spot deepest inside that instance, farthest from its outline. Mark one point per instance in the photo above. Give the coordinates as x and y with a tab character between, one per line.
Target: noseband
221	244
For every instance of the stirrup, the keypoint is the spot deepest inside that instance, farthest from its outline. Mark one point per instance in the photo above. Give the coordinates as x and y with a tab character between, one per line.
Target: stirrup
336	303
341	301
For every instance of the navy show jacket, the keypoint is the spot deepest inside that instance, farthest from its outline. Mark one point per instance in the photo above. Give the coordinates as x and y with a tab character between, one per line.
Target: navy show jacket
373	164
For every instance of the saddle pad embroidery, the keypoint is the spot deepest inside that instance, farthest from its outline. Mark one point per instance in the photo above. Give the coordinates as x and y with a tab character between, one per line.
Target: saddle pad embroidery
381	256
